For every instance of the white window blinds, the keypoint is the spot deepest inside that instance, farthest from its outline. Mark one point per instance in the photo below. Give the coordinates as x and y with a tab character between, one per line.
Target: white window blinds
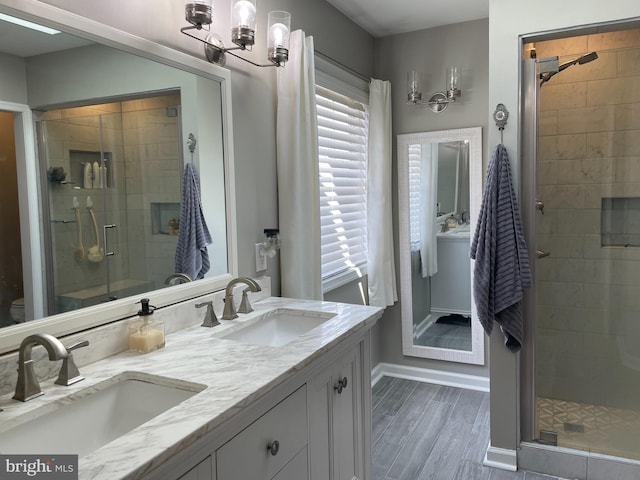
342	144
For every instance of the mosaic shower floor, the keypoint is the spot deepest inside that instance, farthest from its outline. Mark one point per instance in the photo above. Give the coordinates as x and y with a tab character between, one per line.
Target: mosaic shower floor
594	428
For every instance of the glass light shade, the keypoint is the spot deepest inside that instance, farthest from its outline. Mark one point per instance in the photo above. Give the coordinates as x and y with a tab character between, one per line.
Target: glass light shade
413	87
452	78
413	82
279	27
453	83
198	12
243	22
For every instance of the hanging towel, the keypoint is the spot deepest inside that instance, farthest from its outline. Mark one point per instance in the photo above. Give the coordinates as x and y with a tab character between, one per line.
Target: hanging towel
501	271
193	235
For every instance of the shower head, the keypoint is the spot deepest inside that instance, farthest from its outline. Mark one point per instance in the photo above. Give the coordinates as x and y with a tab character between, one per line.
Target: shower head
589	57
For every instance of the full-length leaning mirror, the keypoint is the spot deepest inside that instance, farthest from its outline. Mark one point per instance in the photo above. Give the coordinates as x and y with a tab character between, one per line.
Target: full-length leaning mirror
97	127
439	190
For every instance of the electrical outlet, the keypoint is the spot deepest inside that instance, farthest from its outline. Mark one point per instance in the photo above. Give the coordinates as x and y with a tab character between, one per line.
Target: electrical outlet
261	260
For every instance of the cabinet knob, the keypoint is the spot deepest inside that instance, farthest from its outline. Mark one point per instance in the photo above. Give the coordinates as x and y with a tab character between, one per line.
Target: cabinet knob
342	384
274	447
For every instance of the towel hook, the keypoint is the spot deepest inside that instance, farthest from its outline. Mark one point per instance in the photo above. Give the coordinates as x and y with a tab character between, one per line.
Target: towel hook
191	143
500	116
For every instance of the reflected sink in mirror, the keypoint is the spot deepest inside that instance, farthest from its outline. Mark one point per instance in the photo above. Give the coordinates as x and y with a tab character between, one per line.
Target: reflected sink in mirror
278	327
93	418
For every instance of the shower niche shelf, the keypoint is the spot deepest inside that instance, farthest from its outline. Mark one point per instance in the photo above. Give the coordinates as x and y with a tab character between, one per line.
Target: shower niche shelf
620	222
79	158
165	218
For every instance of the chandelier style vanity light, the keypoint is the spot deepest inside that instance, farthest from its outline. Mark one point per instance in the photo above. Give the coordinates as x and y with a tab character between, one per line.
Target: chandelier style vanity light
199	14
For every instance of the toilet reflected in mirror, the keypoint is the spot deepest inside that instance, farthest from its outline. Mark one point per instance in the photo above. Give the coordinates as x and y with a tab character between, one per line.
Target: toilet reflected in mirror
440	181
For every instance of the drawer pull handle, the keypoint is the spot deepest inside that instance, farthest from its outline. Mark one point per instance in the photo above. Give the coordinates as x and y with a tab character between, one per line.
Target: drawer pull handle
342	384
274	447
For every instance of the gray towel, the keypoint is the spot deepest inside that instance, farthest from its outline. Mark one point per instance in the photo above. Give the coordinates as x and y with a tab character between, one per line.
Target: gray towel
501	271
193	235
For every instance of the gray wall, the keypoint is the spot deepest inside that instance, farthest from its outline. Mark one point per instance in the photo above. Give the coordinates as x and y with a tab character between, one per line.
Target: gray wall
429	52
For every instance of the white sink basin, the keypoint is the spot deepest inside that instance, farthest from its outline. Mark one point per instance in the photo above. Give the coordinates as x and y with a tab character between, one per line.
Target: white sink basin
278	327
93	418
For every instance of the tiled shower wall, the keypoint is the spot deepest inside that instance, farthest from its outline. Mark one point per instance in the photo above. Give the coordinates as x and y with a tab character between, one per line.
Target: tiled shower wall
588	296
153	175
143	142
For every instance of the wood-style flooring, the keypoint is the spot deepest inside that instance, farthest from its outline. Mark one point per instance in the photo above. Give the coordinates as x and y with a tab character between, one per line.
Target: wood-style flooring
423	431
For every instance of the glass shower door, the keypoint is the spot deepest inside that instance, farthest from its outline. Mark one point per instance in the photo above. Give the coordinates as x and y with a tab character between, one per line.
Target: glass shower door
112	195
586	217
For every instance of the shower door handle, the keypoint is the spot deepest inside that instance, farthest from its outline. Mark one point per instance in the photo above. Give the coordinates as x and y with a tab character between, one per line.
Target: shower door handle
542	254
105	241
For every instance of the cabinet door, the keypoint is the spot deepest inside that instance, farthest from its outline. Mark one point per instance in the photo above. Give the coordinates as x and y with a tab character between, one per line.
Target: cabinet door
296	469
335	430
347	441
203	471
266	446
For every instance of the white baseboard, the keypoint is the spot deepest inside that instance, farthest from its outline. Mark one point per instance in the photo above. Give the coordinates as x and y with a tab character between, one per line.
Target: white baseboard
438	377
501	458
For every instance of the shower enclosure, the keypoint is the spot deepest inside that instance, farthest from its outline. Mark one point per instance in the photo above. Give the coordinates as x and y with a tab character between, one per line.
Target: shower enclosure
581	208
111	194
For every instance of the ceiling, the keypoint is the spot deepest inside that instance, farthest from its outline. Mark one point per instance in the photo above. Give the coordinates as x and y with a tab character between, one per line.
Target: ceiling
383	17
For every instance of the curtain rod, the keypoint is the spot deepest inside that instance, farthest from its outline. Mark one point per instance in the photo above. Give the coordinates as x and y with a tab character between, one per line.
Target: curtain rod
342	66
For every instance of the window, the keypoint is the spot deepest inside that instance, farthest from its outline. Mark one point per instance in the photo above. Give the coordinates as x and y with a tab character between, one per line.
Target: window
342	144
415	209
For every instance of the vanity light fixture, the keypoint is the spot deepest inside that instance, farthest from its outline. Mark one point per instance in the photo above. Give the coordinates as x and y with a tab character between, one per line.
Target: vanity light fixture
439	101
199	13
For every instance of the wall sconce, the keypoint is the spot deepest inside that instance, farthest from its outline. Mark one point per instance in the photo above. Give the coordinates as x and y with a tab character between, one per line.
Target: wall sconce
199	13
439	100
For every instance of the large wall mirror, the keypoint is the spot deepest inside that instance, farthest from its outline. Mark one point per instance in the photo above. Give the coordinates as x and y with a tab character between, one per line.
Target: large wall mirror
439	190
97	128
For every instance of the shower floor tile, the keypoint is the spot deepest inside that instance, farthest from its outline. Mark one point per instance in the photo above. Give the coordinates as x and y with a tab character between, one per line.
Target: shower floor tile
593	428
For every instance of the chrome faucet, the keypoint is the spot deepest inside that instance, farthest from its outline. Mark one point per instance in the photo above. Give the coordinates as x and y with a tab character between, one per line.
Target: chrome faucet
177	279
28	386
229	312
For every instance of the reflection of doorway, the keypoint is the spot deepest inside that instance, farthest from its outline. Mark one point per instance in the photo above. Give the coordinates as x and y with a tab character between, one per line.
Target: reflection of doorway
11	287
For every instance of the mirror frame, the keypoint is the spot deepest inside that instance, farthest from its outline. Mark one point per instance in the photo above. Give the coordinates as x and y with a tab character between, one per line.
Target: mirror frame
474	135
90	317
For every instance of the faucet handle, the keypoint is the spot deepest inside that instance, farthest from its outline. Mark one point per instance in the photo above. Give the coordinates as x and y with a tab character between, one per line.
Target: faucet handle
69	373
210	319
245	306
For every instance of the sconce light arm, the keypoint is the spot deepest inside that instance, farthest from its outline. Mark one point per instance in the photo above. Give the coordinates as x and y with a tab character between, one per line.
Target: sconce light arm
225	50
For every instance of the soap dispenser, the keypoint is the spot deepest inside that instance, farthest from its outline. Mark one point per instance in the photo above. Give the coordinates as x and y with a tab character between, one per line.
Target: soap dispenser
146	334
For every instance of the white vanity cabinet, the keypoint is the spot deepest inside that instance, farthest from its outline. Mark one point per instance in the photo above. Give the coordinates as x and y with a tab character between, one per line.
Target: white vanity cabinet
336	421
320	419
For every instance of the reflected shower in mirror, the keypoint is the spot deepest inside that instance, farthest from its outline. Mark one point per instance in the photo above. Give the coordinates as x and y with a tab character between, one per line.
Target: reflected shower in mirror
98	139
439	175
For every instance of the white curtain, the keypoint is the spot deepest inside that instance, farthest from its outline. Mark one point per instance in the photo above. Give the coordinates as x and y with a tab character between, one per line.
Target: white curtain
429	210
298	177
381	268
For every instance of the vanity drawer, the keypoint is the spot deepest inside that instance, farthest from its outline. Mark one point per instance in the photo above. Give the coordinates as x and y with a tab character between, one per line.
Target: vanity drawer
247	455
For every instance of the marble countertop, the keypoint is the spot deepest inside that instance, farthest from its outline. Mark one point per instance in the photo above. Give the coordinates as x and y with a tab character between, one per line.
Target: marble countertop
196	355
